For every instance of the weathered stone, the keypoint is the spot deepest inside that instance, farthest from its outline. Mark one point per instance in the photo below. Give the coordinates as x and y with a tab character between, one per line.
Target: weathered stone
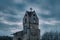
30	27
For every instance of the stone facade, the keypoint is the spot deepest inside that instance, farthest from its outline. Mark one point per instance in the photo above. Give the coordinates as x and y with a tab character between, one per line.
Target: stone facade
30	27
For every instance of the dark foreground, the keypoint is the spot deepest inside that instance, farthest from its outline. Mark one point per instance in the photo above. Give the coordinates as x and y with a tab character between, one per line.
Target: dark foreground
45	36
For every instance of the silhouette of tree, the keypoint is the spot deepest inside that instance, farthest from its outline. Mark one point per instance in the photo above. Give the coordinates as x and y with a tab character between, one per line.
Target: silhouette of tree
5	38
51	36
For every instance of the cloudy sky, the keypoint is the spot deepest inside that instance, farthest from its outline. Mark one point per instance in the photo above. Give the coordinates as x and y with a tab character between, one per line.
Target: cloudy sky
12	12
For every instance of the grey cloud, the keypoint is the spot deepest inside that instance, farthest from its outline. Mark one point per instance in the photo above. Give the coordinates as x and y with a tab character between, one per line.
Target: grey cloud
4	33
6	29
54	8
34	1
48	28
4	26
11	11
12	19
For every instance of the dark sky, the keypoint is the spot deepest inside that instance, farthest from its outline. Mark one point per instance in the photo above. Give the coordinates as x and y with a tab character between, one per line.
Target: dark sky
12	12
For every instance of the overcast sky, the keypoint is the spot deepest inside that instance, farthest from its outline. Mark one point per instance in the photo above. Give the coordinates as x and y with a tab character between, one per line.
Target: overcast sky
12	12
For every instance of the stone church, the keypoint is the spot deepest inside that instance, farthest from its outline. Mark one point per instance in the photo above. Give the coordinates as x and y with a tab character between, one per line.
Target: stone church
30	27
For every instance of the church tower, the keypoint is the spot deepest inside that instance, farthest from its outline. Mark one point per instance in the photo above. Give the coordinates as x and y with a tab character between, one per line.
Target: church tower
30	25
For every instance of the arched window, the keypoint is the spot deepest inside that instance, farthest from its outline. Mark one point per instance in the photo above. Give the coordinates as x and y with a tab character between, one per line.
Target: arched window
25	29
34	20
33	14
26	15
25	20
19	39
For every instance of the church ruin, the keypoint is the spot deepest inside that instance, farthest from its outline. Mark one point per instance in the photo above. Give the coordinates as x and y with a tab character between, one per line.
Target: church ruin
31	30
